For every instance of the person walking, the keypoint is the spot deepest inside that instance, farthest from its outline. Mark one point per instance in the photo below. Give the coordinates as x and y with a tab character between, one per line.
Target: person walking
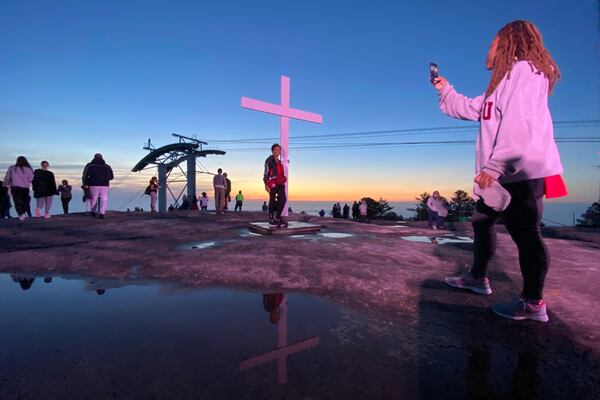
44	189
239	201
515	149
204	202
18	178
355	210
274	180
434	204
153	191
227	192
65	195
219	185
346	211
265	207
97	175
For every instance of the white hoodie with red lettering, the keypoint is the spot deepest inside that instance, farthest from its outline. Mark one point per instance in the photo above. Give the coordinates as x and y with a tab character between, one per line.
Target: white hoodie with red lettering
516	136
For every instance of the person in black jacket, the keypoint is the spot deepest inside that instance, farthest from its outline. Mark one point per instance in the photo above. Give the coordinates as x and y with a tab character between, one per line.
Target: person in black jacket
274	179
4	202
44	189
97	175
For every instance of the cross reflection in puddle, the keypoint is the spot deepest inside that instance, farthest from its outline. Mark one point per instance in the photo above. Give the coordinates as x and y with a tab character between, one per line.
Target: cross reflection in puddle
276	305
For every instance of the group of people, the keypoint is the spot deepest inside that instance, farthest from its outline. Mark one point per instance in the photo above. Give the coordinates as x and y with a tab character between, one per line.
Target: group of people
516	153
20	178
222	189
359	210
194	204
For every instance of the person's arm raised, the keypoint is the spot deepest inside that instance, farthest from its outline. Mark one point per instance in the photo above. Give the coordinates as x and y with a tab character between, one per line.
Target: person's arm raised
455	104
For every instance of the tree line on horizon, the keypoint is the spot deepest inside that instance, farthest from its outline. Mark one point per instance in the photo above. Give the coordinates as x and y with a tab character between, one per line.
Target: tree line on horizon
461	206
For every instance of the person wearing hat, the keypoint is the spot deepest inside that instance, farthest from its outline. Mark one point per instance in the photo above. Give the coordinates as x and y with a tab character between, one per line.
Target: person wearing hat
97	175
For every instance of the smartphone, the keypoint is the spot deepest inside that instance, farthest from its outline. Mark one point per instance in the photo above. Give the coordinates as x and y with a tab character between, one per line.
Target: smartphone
433	72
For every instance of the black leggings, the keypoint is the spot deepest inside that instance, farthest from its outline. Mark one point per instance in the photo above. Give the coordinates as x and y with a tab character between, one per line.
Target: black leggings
522	219
20	198
277	201
65	204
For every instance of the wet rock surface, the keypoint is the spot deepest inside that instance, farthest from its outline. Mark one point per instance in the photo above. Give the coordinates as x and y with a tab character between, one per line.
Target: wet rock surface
445	343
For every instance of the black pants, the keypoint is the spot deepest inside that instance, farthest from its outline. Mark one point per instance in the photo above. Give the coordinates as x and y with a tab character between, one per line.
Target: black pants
522	219
21	199
238	204
65	204
277	201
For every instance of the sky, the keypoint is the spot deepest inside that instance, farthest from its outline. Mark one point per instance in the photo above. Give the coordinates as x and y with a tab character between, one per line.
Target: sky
80	77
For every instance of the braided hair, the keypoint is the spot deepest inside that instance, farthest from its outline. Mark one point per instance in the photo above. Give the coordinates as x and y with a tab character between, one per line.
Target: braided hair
521	41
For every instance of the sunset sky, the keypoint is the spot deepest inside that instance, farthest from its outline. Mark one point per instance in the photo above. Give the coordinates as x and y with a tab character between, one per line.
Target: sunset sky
80	77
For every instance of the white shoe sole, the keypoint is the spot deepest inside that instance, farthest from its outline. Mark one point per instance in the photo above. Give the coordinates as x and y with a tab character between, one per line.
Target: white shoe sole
540	318
484	292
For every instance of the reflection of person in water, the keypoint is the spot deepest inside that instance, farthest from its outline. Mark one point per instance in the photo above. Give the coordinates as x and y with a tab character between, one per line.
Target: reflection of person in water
271	302
24	281
100	292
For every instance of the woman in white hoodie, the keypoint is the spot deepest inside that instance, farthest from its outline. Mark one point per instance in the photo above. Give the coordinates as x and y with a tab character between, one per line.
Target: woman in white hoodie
515	148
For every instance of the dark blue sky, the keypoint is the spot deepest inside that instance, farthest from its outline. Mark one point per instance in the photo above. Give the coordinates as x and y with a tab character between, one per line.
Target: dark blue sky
78	77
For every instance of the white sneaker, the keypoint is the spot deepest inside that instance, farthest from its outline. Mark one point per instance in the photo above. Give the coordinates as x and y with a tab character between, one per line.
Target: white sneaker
47	216
22	217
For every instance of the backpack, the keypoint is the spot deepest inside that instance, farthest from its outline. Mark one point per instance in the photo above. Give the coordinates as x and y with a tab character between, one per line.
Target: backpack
147	191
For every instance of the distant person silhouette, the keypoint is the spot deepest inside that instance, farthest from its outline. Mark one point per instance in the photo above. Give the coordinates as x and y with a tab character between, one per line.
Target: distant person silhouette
18	178
64	189
4	201
239	201
96	177
44	189
203	202
152	190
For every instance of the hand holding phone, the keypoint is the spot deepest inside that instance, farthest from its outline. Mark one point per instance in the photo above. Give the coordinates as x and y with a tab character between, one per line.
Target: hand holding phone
433	72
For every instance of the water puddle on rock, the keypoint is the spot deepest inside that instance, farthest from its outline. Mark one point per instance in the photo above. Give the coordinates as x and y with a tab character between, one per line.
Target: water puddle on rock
100	338
438	239
323	235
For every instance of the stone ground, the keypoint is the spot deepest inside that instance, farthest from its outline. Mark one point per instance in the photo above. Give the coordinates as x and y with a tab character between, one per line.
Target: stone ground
373	268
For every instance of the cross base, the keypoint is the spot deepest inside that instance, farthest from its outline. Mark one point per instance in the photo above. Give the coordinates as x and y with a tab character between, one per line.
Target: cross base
294	228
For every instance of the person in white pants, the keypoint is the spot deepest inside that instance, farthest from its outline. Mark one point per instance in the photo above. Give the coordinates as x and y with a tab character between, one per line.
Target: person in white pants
97	175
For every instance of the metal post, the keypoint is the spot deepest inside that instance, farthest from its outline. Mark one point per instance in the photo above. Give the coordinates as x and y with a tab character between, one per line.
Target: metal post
162	188
191	175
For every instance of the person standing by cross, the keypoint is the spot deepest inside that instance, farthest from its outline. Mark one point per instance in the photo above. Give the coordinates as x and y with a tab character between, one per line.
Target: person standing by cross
285	112
274	179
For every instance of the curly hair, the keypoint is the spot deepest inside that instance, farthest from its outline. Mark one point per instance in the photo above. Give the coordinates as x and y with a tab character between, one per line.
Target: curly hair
521	41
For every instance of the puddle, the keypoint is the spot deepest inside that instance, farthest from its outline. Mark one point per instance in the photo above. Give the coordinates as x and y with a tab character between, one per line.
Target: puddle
202	245
99	338
443	239
335	235
247	233
102	338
